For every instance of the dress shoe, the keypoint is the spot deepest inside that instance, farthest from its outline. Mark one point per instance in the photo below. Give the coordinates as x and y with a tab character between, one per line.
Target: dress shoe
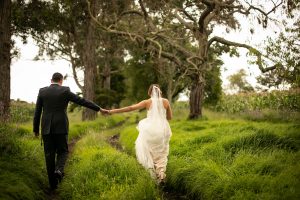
58	175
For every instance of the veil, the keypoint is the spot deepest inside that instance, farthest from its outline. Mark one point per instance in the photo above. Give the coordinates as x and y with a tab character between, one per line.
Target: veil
156	110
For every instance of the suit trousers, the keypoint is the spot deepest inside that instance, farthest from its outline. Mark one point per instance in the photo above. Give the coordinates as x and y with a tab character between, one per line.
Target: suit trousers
56	153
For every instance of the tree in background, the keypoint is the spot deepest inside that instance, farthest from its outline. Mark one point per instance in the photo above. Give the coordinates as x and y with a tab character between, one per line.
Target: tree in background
5	58
286	49
239	83
165	22
64	29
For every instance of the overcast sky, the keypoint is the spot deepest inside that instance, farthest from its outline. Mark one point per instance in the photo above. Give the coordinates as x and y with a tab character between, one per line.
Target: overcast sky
28	75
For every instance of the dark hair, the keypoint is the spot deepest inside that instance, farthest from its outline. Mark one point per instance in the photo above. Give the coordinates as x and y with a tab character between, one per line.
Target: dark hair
151	87
56	77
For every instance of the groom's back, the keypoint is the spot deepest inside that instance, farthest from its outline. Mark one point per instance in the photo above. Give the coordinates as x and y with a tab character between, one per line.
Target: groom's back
55	98
53	102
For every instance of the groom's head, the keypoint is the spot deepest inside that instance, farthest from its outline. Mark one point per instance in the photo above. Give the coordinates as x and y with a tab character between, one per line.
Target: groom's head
57	78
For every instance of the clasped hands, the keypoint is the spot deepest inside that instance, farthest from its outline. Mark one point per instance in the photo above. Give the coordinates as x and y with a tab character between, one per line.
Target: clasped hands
104	111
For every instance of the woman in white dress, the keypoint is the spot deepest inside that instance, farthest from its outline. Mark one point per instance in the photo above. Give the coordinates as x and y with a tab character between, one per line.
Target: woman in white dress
152	144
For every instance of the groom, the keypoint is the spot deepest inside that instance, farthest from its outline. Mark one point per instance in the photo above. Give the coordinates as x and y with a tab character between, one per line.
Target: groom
53	101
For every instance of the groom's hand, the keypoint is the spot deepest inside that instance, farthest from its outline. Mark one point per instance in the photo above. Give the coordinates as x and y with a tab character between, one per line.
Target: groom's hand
104	111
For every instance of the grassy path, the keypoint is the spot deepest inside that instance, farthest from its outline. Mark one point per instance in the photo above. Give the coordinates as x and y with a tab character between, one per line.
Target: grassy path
165	192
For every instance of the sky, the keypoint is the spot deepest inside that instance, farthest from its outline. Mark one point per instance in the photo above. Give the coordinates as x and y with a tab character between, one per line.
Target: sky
28	75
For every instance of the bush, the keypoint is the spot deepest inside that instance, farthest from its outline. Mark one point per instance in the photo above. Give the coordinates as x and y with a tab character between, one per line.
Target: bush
275	100
21	111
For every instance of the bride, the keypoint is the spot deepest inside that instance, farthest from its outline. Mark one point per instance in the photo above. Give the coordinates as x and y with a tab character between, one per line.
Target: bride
152	143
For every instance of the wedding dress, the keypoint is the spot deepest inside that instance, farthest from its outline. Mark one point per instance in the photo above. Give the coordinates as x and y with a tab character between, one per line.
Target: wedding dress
152	144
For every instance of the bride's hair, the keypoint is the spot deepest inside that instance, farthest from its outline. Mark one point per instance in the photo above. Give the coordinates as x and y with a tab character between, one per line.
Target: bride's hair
151	87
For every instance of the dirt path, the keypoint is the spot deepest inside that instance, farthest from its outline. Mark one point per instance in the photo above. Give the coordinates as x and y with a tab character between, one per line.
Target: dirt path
166	193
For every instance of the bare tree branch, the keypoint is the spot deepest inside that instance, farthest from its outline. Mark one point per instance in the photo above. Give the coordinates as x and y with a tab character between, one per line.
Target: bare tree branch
73	65
253	50
188	15
182	21
262	11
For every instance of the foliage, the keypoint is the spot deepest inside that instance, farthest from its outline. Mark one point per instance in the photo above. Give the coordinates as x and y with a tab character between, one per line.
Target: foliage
286	49
231	159
21	112
113	96
62	29
238	82
275	100
213	84
142	75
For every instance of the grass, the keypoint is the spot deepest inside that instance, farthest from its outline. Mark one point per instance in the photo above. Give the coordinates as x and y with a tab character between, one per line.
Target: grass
231	158
98	171
21	165
22	168
217	157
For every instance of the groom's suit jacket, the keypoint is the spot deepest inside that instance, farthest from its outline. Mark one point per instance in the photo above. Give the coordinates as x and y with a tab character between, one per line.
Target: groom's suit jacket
53	101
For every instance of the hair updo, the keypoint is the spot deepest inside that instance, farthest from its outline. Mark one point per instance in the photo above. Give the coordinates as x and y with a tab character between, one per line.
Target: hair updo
151	88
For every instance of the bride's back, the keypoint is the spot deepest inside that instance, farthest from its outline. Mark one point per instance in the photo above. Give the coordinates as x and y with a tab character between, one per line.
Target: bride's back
164	101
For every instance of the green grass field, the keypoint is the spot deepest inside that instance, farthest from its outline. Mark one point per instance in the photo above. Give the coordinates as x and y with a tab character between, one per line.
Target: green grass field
231	158
217	157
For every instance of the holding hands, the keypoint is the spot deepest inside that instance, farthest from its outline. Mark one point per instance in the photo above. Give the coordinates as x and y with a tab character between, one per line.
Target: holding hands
104	111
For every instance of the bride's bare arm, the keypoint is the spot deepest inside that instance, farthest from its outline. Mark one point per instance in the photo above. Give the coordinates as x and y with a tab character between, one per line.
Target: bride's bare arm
137	106
169	110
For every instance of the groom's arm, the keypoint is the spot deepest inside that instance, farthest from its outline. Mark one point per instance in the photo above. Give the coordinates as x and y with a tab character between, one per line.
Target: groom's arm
81	101
37	115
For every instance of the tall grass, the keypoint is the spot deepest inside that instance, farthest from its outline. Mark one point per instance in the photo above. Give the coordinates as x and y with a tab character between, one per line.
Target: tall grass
231	159
265	106
98	171
22	171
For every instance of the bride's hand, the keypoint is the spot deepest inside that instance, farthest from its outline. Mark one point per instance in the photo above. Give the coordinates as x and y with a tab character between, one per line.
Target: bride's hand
104	111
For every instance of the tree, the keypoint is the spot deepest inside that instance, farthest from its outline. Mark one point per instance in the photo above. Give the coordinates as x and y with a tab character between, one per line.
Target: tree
238	82
286	49
5	58
64	29
165	21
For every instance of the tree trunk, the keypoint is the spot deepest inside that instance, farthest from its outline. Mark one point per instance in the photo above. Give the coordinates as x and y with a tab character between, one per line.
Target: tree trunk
196	99
106	74
170	89
198	82
90	65
5	45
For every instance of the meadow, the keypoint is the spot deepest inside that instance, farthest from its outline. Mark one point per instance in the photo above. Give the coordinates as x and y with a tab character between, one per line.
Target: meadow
220	156
231	159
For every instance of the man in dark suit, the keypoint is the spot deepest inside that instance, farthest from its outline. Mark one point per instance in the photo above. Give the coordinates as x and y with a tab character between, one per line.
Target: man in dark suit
52	101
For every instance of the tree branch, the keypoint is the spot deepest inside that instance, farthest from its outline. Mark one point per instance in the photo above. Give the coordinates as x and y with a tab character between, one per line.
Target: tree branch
182	21
262	11
188	15
251	49
201	22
